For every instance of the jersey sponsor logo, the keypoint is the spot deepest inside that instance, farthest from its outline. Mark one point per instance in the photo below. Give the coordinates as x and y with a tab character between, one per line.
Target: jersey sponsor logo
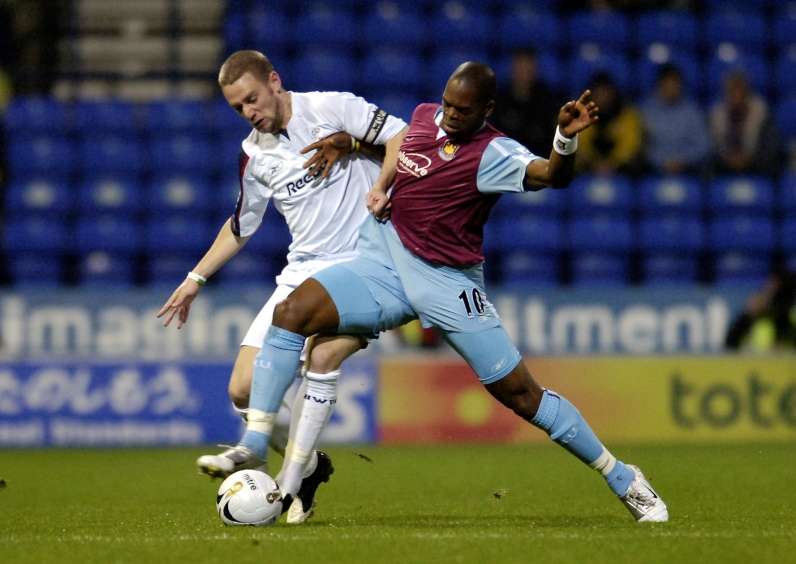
293	187
415	164
448	151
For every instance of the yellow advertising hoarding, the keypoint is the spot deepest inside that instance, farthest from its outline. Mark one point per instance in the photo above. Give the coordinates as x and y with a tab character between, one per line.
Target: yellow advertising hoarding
624	399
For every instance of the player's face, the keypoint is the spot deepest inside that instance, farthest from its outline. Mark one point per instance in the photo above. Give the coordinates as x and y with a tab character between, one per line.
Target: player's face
257	101
463	110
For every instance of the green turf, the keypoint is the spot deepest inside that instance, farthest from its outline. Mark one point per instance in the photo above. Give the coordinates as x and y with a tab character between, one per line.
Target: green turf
727	504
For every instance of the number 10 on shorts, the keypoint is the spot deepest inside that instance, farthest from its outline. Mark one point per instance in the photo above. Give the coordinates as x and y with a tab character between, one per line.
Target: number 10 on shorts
472	299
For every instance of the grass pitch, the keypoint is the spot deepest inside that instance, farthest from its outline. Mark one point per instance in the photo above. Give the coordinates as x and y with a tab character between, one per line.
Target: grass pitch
387	504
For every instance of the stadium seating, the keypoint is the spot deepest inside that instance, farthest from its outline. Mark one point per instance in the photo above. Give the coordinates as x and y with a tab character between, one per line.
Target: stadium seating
678	29
600	195
35	233
35	114
111	154
744	28
323	69
48	155
183	154
109	194
326	25
391	69
108	232
395	24
453	21
591	59
39	195
35	270
179	194
106	116
670	194
103	269
669	268
610	30
523	269
727	58
741	194
522	25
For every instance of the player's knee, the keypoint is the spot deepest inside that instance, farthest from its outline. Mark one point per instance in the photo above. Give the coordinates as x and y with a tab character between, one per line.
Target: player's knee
292	315
329	355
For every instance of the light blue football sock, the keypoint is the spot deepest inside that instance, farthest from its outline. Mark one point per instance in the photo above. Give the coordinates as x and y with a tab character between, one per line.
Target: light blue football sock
274	370
566	426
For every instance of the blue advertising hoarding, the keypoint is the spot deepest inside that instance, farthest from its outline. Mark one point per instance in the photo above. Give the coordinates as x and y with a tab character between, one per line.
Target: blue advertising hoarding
136	404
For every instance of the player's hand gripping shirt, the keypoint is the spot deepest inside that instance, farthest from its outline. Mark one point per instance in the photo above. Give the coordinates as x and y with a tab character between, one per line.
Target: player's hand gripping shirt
323	215
443	191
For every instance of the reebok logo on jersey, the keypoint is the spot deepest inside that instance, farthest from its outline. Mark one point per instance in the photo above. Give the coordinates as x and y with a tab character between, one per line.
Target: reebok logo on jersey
294	187
413	163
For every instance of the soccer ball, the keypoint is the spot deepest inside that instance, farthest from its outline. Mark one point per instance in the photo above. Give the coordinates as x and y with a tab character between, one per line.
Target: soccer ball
249	497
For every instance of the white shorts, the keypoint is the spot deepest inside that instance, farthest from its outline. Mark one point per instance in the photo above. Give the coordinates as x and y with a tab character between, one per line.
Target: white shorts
288	280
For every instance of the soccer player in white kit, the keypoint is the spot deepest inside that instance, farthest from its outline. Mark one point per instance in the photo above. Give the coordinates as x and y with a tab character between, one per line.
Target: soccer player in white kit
323	206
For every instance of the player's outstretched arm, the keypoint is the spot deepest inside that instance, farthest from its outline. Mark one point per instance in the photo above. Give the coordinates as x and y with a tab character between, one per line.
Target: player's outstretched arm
377	199
559	169
225	246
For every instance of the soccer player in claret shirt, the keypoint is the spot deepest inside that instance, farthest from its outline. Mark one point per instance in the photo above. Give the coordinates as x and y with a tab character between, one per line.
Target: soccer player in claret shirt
324	206
450	169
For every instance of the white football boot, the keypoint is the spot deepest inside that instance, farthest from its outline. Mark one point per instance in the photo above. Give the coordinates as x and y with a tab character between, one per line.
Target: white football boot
231	460
643	502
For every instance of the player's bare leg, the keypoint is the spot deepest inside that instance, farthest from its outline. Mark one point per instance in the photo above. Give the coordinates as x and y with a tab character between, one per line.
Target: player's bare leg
565	425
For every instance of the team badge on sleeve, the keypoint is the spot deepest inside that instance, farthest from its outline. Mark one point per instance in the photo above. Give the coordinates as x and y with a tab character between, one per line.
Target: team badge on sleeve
448	151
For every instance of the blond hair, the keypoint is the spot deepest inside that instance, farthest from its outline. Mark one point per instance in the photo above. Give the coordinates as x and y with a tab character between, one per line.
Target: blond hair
241	62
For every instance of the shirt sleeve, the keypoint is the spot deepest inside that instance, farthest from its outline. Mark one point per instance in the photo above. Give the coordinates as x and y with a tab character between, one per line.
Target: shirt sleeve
361	119
253	197
502	167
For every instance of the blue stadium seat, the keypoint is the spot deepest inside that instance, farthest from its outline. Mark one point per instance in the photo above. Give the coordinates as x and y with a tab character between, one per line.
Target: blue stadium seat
180	193
396	103
35	233
590	59
741	194
235	31
599	269
36	114
248	268
523	25
184	153
787	235
106	116
786	119
679	194
169	268
741	233
672	233
650	60
746	29
787	191
727	58
785	71
272	237
669	268
177	234
785	28
267	28
606	29
669	27
600	194
49	155
323	69
454	23
546	203
110	194
524	269
394	24
169	117
226	122
391	68
601	233
42	270
39	195
104	269
443	63
328	26
107	232
111	155
741	268
530	232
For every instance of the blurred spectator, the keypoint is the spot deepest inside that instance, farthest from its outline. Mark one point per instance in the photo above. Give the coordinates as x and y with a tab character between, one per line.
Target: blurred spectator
743	132
613	144
527	109
676	137
768	322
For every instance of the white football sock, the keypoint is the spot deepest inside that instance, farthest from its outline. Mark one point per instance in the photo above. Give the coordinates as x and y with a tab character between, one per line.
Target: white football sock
317	403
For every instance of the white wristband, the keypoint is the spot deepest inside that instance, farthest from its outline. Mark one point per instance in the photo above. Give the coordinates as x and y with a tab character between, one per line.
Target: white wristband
198	278
564	145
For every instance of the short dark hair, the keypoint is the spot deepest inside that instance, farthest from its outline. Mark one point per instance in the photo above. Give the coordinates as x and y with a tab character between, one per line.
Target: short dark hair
241	62
479	75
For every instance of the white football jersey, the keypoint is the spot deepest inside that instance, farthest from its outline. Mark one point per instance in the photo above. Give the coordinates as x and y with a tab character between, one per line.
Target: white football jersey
323	215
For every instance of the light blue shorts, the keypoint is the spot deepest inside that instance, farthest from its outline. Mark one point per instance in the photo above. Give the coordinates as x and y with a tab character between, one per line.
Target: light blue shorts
388	285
